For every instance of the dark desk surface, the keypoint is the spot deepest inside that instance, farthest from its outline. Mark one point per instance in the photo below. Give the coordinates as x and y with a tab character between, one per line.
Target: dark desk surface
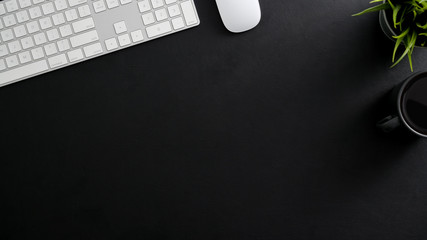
209	135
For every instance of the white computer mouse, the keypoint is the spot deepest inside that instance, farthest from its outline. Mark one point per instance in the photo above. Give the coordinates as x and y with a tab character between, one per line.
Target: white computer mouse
239	15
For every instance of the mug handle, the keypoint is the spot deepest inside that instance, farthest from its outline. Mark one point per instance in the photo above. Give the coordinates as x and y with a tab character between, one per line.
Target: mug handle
389	123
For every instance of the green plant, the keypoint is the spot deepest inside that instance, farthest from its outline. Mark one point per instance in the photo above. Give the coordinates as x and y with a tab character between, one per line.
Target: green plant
409	20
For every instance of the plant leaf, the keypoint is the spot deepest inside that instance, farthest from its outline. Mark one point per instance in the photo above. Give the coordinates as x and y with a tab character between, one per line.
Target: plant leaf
411	51
422	26
402	34
395	11
410	60
411	43
396	46
373	9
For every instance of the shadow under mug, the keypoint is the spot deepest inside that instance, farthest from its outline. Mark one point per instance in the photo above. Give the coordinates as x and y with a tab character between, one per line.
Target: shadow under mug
409	100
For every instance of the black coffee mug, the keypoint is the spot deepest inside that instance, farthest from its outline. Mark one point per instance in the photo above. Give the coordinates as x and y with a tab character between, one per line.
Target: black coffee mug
409	100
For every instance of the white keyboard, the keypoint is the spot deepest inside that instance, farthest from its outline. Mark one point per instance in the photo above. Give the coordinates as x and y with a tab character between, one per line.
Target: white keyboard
39	36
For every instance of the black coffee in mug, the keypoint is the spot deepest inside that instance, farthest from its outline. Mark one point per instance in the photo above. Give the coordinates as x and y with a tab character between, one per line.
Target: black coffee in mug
410	106
414	105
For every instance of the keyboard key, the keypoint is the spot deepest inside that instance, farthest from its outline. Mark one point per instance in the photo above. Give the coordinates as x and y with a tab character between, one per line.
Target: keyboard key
178	23
11	5
22	16
174	10
137	36
45	23
9	20
112	3
57	61
84	38
76	2
24	57
60	4
93	50
38	1
148	18
6	35
37	53
99	6
23	72
65	30
27	43
111	44
24	3
189	13
83	25
124	40
120	27
12	61
52	34
3	50
71	15
40	38
33	27
20	31
14	47
63	45
123	2
144	6
170	1
35	12
161	14
158	29
2	65
157	3
84	11
50	49
48	8
2	9
58	19
75	55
